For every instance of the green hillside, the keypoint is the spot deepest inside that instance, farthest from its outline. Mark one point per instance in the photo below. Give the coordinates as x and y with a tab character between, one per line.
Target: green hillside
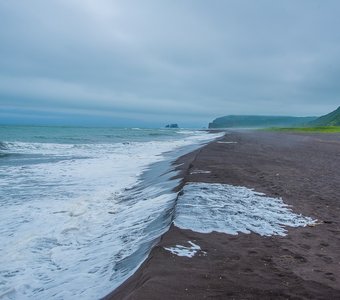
331	119
239	121
321	129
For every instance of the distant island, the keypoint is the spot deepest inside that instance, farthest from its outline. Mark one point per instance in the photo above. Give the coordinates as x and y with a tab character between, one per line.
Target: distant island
172	126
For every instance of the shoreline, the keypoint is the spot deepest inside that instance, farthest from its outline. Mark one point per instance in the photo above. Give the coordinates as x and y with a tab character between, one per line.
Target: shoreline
105	197
300	168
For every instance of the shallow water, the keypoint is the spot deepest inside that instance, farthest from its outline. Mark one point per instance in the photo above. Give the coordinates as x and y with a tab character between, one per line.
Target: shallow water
81	207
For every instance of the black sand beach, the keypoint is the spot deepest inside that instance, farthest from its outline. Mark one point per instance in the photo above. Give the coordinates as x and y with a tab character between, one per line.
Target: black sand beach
303	169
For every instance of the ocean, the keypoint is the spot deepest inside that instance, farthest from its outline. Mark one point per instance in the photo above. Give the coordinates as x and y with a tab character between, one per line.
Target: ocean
80	208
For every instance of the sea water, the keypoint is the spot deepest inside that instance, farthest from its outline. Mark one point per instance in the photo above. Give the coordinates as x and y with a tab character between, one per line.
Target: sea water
80	208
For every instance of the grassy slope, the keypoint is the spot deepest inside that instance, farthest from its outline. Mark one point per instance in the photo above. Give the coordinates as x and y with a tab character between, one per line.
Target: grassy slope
331	119
319	129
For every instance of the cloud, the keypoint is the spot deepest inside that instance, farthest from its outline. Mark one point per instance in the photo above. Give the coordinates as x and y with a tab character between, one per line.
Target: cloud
185	60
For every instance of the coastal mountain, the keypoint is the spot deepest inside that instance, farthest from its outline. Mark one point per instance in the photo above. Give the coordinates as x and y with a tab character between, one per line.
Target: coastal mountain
240	121
331	119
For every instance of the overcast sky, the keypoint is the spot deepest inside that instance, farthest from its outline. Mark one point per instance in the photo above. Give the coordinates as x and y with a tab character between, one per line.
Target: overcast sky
150	62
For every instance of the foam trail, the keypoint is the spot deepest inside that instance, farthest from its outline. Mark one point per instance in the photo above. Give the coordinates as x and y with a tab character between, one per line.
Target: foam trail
205	207
180	250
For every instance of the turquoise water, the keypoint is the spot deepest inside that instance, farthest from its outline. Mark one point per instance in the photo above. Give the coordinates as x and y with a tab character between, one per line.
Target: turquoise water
71	135
81	207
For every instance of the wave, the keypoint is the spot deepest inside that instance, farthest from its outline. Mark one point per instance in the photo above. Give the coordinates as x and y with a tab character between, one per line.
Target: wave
64	139
3	146
95	227
4	150
163	133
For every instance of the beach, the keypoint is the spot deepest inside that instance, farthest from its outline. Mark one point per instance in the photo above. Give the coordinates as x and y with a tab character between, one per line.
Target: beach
302	170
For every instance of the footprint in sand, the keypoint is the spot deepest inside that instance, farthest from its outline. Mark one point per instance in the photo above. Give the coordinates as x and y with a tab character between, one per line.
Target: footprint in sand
329	276
325	258
324	244
304	246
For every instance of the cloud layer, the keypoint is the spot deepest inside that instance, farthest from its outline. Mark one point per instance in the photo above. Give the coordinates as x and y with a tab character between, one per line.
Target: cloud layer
152	62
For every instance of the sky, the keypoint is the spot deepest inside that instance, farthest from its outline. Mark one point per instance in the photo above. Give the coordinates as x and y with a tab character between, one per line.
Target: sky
152	62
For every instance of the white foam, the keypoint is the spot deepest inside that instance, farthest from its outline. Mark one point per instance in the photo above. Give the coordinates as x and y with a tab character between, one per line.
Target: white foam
205	208
180	250
66	239
220	142
200	172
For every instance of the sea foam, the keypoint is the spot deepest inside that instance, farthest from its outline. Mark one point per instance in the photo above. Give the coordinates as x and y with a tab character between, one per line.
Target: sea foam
206	207
77	219
187	251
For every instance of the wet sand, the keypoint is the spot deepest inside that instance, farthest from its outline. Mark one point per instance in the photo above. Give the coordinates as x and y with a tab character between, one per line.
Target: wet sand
303	169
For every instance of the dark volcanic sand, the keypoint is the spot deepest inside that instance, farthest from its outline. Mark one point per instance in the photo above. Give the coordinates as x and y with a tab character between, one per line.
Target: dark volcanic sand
302	169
